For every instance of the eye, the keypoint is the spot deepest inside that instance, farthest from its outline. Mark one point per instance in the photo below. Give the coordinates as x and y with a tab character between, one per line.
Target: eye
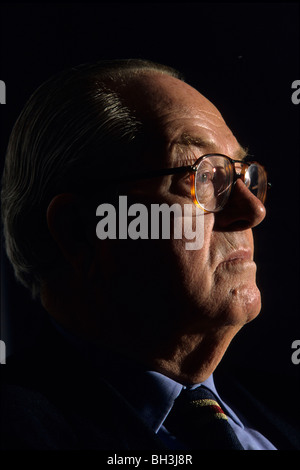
205	177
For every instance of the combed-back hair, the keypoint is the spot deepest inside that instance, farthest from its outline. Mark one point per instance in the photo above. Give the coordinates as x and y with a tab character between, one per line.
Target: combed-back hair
74	125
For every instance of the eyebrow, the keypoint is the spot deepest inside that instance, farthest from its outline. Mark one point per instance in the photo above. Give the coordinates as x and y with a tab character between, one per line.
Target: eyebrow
186	139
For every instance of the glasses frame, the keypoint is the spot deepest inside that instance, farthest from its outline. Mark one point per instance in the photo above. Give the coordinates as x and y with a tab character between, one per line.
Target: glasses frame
192	170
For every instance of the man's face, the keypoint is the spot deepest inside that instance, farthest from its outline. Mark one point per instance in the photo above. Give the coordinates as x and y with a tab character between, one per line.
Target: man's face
217	283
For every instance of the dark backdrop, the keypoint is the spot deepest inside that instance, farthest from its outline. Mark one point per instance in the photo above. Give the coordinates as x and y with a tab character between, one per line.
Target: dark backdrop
244	57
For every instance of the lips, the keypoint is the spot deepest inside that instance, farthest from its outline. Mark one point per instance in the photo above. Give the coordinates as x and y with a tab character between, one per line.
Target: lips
239	255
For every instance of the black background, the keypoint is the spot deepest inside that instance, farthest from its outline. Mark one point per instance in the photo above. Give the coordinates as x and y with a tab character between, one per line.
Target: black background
244	58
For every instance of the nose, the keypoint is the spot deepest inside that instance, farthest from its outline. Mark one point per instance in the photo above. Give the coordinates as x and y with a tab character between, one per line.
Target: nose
242	211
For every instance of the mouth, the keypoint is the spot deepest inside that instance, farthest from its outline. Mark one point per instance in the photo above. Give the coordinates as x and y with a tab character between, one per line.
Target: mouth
238	256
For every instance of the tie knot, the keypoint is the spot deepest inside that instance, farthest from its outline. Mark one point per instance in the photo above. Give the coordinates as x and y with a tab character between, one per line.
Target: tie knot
199	393
202	400
198	420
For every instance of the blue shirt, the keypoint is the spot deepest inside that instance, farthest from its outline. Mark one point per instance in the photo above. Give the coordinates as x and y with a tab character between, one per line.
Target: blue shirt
152	394
156	402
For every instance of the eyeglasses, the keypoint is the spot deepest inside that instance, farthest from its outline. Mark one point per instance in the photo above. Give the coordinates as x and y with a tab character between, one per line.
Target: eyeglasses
213	176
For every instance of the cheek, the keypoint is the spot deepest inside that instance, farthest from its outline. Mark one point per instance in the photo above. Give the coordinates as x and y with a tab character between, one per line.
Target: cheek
195	265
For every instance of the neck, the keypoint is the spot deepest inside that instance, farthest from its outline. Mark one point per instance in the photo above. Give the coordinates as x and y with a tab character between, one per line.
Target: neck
188	358
195	357
184	356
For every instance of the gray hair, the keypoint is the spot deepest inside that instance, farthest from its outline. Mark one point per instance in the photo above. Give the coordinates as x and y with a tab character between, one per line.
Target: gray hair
73	125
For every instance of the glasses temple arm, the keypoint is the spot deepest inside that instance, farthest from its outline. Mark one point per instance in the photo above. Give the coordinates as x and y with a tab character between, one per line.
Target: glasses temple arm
155	173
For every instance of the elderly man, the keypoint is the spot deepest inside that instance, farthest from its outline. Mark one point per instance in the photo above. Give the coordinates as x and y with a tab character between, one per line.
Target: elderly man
136	326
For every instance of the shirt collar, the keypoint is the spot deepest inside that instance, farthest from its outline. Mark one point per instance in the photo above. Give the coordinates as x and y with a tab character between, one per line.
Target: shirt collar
152	394
159	392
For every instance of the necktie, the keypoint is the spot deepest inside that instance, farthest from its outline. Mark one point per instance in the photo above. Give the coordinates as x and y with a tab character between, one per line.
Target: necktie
197	420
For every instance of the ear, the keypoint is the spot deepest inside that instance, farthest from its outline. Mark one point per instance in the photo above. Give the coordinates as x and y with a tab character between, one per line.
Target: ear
68	228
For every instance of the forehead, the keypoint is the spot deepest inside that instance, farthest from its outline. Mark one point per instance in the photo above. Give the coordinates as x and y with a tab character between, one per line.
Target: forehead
180	116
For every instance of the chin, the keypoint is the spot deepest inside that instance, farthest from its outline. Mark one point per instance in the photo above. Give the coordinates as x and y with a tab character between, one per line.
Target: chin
245	303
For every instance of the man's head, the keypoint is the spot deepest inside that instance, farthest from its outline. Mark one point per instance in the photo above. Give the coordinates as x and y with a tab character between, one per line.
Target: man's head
74	126
152	296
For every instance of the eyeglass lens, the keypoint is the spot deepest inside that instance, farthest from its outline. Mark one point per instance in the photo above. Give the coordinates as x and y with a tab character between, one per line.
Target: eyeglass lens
215	176
256	181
